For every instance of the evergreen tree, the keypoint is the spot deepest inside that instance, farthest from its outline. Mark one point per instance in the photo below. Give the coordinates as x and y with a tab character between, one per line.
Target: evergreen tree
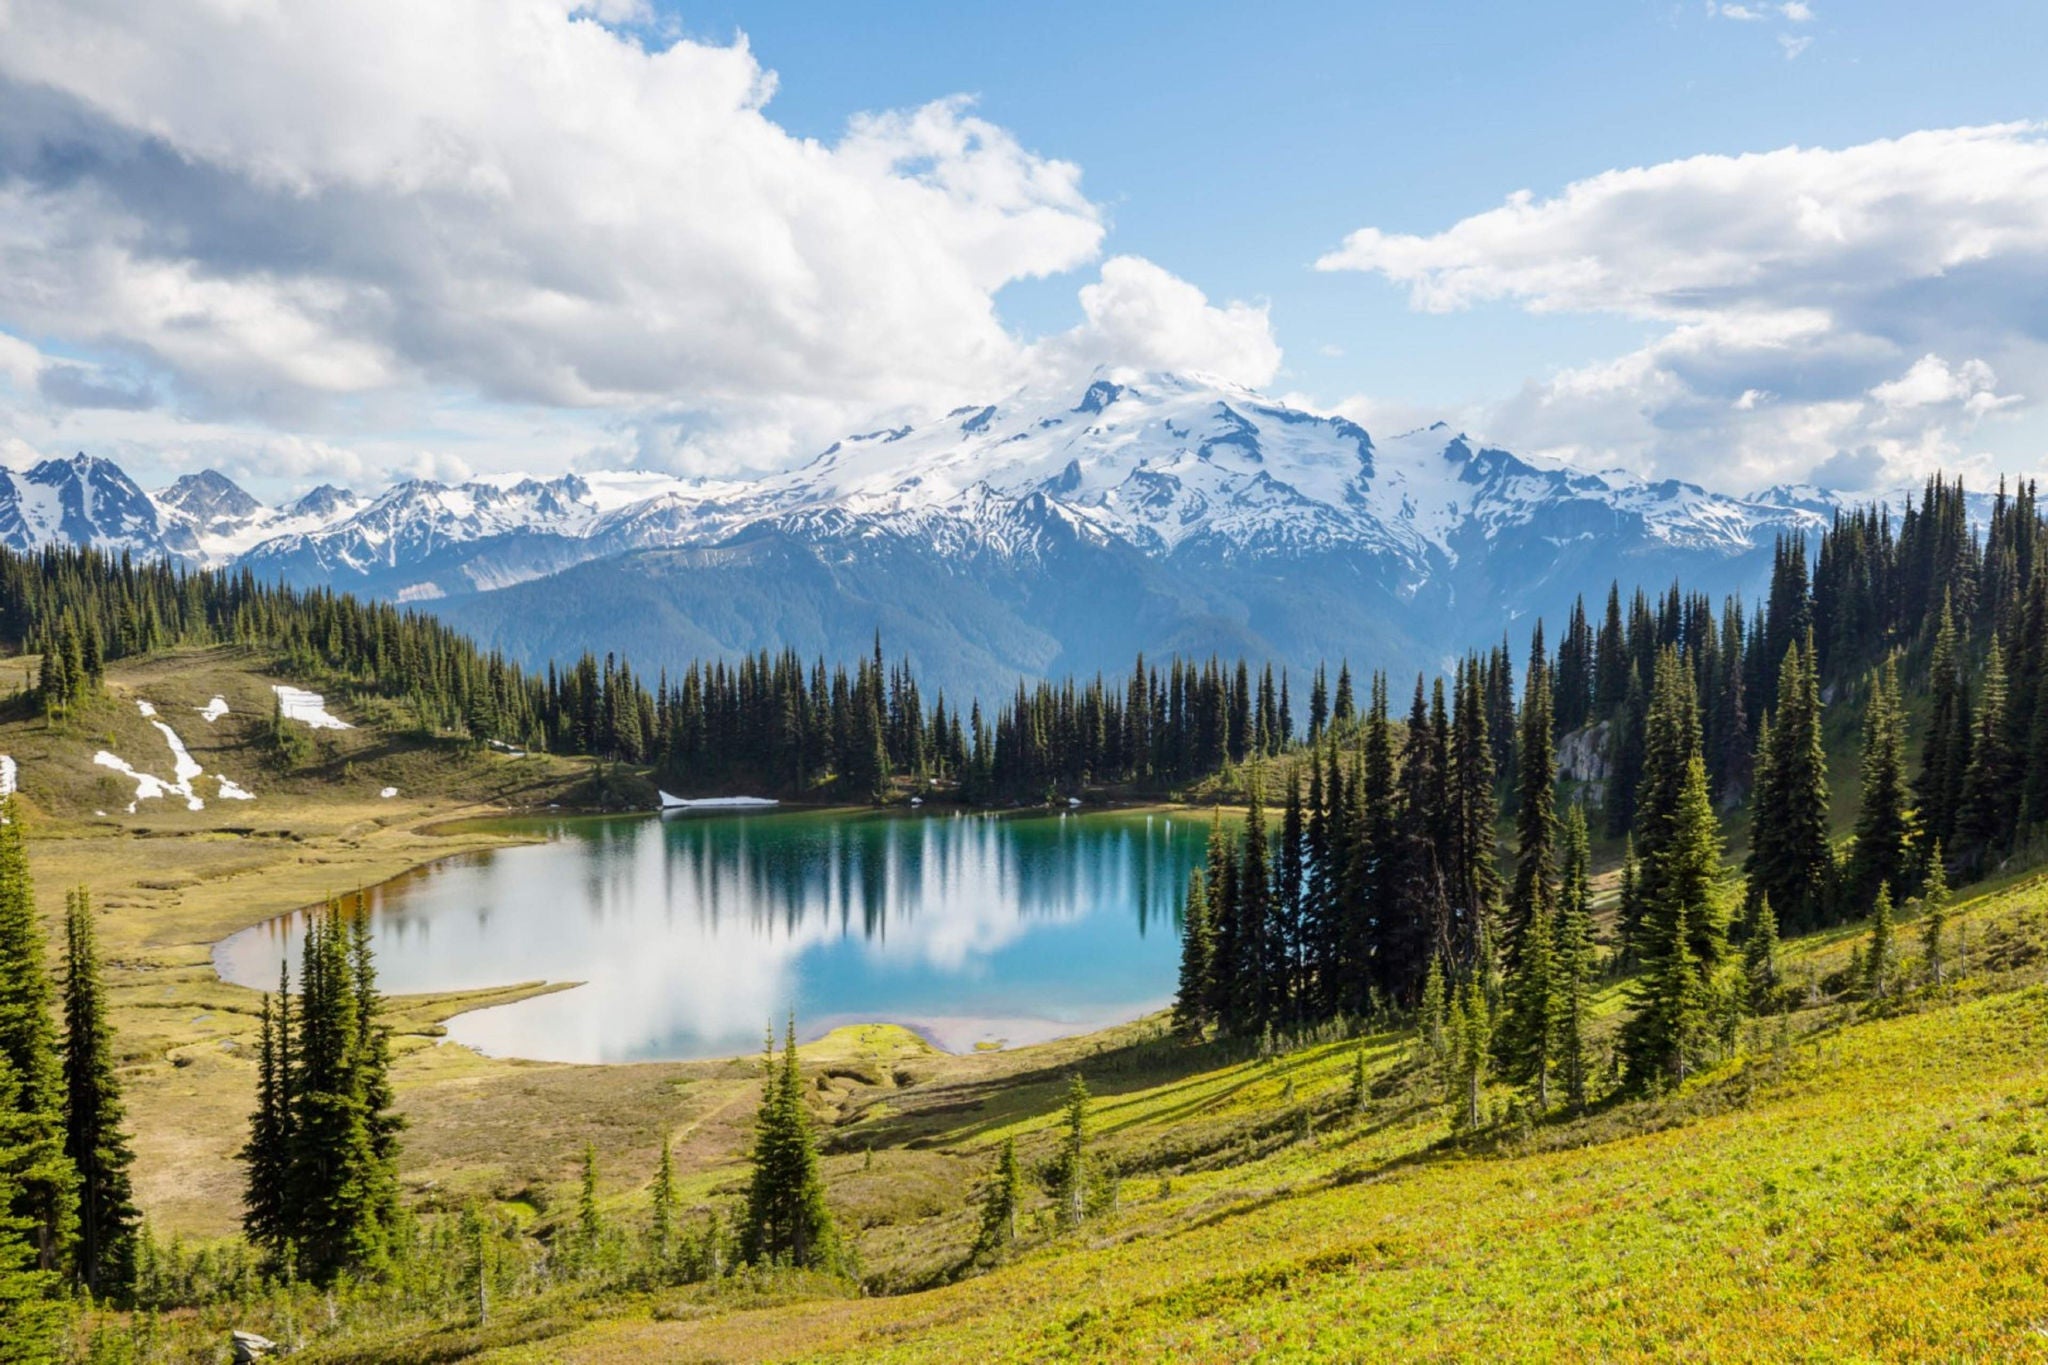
1574	965
1789	858
94	1139
1880	965
32	1315
1682	936
1934	918
1882	850
1070	1174
1991	781
267	1211
1001	1199
45	1183
787	1221
1197	951
1760	955
589	1219
662	1202
1945	752
1471	1031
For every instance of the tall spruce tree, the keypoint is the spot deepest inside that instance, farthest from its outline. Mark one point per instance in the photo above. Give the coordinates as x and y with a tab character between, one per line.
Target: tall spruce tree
45	1183
1682	935
32	1313
1574	970
94	1137
1944	755
1789	857
787	1222
1882	853
1197	954
1992	779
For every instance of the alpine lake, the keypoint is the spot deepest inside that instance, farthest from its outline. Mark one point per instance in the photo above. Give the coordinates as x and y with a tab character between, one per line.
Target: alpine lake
688	935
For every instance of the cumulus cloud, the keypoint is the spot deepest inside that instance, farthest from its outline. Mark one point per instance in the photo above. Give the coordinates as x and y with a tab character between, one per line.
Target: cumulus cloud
287	211
1805	301
1143	316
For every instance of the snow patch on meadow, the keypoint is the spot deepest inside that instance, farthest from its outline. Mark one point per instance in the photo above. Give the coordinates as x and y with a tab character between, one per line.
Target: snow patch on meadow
308	708
185	769
214	710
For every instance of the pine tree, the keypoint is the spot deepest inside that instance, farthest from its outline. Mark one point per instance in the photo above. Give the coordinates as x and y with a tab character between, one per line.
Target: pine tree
46	1193
1682	936
1789	857
1197	952
94	1139
1472	1048
1880	965
1941	776
1358	1091
589	1219
1572	1010
662	1202
787	1221
1991	781
1882	849
1432	1015
1001	1199
1760	955
32	1315
1070	1173
1934	918
267	1211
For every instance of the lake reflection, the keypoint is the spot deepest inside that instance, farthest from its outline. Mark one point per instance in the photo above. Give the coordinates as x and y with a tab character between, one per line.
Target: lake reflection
694	933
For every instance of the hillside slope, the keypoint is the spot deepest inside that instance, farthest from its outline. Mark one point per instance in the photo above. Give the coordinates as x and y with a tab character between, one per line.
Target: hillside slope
1855	1187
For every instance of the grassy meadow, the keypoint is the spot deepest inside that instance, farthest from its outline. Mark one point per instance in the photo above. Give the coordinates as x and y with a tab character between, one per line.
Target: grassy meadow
1852	1185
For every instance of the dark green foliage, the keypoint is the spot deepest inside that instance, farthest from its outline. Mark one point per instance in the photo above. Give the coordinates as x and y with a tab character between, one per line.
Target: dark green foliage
320	1189
1882	854
94	1137
1000	1201
1881	961
1197	953
44	1182
1073	1179
1789	857
1682	936
787	1222
32	1316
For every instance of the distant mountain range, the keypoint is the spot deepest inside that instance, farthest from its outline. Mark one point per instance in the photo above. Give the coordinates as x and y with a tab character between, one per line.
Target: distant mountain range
1039	536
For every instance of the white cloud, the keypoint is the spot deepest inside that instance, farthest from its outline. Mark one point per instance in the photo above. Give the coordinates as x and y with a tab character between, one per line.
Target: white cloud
1145	317
1799	297
1792	46
1797	11
289	212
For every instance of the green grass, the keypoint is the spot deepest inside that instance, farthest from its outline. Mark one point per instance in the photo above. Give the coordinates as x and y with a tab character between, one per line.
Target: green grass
1854	1186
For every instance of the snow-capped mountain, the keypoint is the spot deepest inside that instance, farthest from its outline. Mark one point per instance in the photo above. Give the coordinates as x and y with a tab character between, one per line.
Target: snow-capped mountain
1045	533
84	500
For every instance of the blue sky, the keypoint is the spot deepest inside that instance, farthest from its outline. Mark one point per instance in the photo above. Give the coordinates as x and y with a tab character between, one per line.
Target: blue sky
352	243
1234	149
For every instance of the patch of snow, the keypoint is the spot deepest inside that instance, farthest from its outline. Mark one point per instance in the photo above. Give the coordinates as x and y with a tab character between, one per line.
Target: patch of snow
308	708
388	793
715	802
8	775
214	710
147	787
146	709
231	790
183	764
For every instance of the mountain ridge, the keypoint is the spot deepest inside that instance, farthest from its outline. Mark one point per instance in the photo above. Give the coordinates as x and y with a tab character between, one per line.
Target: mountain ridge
1057	528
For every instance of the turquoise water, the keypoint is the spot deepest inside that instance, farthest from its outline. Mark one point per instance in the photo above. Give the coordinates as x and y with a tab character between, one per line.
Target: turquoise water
691	934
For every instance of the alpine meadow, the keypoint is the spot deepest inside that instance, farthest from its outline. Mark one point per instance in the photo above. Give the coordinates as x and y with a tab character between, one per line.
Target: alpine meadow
916	684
